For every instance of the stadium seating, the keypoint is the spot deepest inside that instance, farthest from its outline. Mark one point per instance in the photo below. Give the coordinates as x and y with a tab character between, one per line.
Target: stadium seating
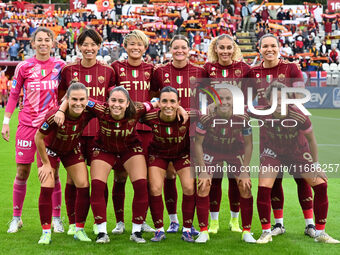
325	67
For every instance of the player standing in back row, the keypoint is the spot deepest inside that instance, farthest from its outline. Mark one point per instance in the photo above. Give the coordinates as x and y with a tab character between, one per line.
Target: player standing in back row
39	77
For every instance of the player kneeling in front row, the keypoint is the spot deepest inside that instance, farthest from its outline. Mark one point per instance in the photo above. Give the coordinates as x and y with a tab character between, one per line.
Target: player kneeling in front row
218	139
293	145
62	143
170	144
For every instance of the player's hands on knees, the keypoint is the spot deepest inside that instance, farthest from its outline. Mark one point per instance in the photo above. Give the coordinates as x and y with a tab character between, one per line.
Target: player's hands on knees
319	173
59	118
245	183
45	172
204	181
5	132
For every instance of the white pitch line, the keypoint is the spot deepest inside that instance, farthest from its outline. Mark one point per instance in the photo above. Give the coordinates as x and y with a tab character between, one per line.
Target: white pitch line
321	144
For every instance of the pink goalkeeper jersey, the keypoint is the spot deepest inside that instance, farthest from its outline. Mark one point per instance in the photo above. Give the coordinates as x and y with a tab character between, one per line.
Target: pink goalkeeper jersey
39	80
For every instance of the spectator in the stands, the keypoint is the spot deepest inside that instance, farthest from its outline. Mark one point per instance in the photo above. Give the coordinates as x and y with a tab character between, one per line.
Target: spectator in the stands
323	49
13	50
3	54
334	56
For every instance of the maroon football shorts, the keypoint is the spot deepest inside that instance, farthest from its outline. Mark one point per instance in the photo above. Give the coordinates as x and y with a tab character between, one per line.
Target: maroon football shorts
178	163
111	158
296	164
73	157
87	145
215	160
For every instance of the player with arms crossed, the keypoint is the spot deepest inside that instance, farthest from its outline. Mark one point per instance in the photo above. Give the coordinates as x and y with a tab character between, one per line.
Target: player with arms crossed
39	77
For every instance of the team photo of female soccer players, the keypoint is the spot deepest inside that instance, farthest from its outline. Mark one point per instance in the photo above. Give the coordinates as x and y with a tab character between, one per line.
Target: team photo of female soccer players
140	121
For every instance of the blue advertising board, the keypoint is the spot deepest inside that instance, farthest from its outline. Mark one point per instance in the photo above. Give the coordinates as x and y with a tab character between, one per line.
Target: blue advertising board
324	97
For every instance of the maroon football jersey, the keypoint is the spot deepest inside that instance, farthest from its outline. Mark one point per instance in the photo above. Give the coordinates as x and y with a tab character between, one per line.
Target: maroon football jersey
116	136
98	79
183	79
236	71
281	136
170	139
285	72
136	80
221	137
63	139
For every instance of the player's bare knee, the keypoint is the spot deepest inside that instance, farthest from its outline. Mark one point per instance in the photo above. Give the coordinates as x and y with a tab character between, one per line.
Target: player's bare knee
82	183
155	189
188	189
203	192
23	172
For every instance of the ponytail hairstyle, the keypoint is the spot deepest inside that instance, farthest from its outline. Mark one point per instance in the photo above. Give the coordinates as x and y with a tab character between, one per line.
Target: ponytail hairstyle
212	55
130	111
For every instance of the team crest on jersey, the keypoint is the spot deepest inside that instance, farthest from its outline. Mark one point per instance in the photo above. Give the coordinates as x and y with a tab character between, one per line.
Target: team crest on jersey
151	159
257	75
63	127
182	129
122	69
269	78
95	152
213	68
167	81
168	130
179	79
101	79
224	73
134	73
281	77
45	126
166	75
122	74
75	74
88	78
147	75
238	72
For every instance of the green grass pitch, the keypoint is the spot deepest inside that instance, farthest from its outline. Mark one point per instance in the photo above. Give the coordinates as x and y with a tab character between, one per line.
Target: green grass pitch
326	125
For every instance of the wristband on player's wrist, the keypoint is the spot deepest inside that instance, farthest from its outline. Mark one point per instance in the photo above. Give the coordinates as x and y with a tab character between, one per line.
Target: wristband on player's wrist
61	111
6	120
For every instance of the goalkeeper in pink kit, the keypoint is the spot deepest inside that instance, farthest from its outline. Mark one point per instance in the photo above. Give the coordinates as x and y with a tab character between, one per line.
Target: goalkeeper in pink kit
39	78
